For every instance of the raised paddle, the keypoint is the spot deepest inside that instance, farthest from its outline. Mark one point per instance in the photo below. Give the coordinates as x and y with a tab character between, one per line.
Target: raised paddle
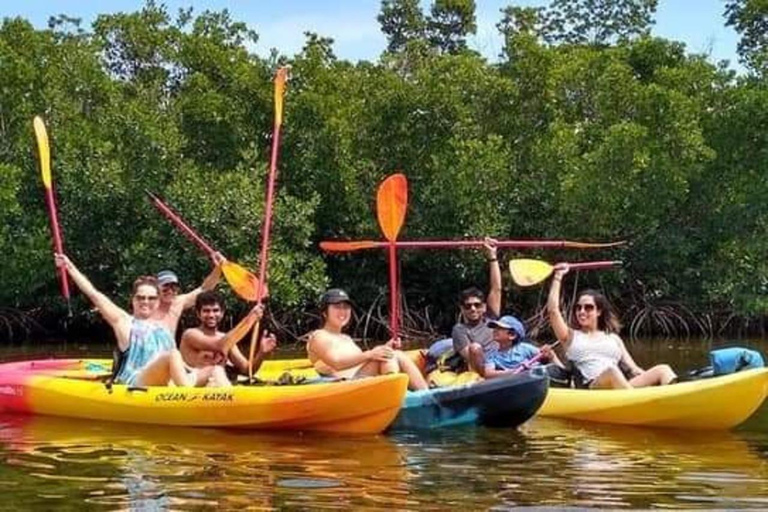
241	280
359	245
391	203
280	78
44	152
526	272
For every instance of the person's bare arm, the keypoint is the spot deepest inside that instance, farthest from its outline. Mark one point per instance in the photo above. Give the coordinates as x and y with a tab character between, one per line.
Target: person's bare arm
115	316
627	359
556	320
241	329
494	292
323	347
187	300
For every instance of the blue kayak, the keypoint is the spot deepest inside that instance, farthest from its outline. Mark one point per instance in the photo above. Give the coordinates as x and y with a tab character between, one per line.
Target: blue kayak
501	402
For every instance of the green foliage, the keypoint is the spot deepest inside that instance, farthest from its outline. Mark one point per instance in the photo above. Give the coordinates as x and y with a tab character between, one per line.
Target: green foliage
629	138
750	19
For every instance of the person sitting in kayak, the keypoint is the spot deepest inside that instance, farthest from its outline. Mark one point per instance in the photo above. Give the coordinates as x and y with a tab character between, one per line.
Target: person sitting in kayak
151	357
206	349
472	338
172	303
592	342
513	350
335	354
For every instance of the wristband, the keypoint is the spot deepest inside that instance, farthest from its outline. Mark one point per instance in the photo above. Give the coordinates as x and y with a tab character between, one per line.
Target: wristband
493	259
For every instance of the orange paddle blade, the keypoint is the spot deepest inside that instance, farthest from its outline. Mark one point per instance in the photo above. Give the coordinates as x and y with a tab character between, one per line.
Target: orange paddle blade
527	272
333	246
243	282
280	78
45	152
391	203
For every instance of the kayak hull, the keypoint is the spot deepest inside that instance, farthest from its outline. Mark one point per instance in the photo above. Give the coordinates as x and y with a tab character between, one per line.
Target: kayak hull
48	388
716	403
502	402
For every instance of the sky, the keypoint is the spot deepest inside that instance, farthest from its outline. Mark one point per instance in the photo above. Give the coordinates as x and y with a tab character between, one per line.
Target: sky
353	26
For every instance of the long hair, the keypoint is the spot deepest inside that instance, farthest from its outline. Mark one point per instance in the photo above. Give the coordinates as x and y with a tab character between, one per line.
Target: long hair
607	320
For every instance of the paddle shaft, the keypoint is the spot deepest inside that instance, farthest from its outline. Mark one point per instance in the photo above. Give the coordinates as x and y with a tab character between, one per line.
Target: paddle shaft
267	227
344	246
531	361
590	265
177	221
57	244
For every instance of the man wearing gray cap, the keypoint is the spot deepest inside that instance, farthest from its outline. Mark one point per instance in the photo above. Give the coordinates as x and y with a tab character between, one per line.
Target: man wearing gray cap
172	304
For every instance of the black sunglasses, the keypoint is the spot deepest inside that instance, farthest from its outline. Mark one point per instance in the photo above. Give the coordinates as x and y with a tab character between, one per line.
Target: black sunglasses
473	305
585	307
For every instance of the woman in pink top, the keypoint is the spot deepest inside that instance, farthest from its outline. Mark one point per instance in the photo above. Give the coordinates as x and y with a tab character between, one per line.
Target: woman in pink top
592	342
334	354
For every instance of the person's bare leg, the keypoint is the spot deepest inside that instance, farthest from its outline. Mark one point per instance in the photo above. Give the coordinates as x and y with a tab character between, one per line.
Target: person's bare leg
160	370
476	358
218	377
660	374
611	378
406	365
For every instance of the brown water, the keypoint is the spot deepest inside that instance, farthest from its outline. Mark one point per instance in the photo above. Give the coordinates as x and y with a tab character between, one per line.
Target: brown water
48	463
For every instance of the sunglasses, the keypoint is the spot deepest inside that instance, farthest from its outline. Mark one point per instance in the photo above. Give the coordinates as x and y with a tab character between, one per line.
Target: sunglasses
145	298
473	305
585	307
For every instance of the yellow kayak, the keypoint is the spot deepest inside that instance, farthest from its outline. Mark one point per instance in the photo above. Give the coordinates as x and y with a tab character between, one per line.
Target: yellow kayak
71	388
716	403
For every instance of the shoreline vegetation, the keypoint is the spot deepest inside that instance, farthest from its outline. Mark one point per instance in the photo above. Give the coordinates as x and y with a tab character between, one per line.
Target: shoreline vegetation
587	127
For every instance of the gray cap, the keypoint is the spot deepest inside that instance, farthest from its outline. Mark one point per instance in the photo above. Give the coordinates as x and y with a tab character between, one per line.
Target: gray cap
334	296
167	277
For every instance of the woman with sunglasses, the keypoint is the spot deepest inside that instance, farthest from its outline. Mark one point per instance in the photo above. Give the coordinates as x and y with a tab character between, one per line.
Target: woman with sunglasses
591	342
151	357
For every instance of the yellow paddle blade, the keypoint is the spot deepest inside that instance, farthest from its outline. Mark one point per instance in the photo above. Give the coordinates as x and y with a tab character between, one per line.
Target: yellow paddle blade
280	77
391	203
527	272
44	149
243	282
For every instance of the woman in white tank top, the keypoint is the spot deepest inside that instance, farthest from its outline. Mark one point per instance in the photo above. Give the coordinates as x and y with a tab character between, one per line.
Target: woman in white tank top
592	342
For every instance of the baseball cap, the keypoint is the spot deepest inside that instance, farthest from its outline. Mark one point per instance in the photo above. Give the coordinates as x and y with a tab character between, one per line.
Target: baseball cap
510	323
334	296
167	277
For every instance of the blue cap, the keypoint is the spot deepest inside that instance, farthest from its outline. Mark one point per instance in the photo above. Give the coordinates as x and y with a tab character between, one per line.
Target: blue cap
510	323
167	277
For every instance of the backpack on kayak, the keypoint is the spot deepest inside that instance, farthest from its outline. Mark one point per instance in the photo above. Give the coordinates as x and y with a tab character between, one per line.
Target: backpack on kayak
729	360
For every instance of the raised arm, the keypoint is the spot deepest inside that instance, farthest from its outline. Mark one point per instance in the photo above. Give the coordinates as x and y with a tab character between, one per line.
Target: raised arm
230	339
556	320
323	346
494	292
187	300
115	316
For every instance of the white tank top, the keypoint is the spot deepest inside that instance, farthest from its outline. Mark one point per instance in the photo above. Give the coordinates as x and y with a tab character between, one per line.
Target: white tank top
593	354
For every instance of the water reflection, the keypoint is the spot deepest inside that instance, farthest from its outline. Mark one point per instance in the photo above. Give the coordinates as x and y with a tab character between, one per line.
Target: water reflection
52	461
49	463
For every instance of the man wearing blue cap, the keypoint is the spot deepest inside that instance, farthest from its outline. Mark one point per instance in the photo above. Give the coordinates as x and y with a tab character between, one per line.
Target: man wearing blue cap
513	349
172	304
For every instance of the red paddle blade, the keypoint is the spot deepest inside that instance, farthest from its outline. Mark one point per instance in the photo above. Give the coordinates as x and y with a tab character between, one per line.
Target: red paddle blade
391	203
333	246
